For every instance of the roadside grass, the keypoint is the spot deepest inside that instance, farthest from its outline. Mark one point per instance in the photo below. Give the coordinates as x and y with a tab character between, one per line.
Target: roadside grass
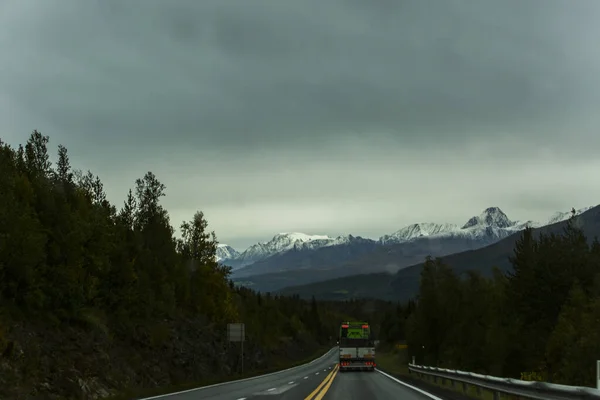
139	393
395	362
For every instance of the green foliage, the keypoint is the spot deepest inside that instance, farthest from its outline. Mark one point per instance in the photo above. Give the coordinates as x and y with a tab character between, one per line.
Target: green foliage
71	260
537	322
64	248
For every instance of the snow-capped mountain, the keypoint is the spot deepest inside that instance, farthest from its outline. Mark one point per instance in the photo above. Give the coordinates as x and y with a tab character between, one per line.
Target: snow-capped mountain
492	224
309	255
281	243
391	253
417	230
481	230
492	216
224	252
561	216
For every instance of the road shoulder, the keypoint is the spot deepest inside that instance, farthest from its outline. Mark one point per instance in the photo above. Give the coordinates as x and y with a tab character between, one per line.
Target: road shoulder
444	393
393	363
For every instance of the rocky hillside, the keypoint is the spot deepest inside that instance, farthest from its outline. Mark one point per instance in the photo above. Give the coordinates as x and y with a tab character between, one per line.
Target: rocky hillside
93	360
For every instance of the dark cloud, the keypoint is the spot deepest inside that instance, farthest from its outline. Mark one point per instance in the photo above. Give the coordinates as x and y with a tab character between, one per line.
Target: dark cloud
251	85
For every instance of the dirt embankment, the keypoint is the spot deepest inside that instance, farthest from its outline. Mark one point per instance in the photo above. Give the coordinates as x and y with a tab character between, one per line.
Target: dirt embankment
38	362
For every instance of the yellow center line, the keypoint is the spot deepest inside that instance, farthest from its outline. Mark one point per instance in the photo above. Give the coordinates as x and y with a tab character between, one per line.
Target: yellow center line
334	370
326	388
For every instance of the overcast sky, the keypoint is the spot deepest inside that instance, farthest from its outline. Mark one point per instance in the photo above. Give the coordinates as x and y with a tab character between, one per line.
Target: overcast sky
321	116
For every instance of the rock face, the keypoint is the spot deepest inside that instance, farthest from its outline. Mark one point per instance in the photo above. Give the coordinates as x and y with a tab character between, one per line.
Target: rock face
89	363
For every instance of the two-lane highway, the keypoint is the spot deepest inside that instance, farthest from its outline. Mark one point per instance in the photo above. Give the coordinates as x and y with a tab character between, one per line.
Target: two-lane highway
372	385
317	380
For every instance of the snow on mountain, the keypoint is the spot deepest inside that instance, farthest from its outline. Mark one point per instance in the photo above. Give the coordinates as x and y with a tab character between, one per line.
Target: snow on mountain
417	230
491	225
561	216
558	216
280	243
488	227
492	216
224	252
520	225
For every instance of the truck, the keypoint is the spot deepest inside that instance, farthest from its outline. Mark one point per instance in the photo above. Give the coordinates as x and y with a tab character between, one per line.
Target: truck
356	347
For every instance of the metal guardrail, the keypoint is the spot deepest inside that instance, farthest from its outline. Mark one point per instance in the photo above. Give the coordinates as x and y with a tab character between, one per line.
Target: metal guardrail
508	386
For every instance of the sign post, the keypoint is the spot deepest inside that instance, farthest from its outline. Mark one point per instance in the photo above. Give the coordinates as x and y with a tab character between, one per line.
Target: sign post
237	333
414	360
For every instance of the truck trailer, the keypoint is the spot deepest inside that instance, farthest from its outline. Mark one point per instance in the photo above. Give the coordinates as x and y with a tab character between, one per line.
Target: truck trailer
356	347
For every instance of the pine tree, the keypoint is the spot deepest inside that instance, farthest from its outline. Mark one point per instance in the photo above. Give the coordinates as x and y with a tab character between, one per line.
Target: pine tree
63	166
129	211
37	158
562	344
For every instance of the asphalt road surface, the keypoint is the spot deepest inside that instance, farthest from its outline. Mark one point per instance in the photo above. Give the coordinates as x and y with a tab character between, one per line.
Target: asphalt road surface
318	380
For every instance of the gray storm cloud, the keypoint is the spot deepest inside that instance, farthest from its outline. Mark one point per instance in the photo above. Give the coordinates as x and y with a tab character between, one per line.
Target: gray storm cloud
303	114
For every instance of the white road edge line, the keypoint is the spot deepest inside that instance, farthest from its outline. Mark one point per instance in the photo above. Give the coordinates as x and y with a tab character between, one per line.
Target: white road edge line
291	383
242	398
431	396
241	380
306	377
270	390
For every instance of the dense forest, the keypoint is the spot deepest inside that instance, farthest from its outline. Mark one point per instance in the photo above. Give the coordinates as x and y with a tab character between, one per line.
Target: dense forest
95	299
538	322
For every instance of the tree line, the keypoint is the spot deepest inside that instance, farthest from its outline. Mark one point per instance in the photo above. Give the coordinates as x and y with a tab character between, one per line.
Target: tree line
67	256
538	321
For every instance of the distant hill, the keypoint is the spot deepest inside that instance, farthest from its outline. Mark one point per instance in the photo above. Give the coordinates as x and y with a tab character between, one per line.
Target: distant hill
404	284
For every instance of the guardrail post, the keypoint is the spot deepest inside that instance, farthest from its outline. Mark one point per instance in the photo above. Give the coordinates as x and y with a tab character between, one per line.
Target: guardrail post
598	374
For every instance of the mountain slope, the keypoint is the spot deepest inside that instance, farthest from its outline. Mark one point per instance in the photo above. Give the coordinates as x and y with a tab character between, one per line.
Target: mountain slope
417	230
405	283
303	256
225	252
281	243
390	253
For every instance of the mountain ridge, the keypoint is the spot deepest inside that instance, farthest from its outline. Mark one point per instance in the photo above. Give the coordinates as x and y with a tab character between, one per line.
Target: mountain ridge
490	225
404	284
365	256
